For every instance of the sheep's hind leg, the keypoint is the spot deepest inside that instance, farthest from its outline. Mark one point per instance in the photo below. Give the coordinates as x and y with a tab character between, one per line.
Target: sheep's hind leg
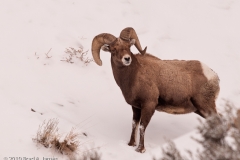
205	106
135	123
199	113
146	114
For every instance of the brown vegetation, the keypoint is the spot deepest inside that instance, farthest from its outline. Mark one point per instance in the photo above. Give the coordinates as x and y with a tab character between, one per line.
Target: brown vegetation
69	144
220	138
77	54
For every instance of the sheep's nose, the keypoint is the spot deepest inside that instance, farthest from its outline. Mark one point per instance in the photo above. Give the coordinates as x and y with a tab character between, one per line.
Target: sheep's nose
127	58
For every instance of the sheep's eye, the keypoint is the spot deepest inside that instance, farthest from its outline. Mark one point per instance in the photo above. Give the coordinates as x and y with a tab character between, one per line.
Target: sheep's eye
113	51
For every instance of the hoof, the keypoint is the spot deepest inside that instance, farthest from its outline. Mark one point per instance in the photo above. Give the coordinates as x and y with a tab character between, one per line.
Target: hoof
140	150
132	144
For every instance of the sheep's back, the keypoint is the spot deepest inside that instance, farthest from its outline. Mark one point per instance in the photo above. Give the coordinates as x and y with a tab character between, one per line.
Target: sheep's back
174	78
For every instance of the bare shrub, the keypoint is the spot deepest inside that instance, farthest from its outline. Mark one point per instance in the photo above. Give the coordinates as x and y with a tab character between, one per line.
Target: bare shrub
77	54
220	138
48	136
67	144
171	152
47	132
91	155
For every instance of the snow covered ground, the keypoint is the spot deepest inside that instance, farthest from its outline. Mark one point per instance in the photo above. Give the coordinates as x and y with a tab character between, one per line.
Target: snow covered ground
87	97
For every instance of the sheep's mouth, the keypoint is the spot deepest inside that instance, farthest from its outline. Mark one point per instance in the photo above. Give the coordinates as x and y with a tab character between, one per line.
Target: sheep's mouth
127	63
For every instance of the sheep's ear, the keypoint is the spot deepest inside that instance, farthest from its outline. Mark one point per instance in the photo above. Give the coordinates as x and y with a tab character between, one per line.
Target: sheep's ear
132	42
105	48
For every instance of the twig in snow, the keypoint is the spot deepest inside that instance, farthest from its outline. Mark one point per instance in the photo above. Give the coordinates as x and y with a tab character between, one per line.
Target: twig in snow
47	53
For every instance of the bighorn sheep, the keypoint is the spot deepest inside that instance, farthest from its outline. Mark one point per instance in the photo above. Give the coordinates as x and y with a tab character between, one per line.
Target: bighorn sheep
149	83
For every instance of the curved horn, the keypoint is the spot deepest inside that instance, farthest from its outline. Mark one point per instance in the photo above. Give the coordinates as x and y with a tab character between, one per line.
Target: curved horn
98	42
129	33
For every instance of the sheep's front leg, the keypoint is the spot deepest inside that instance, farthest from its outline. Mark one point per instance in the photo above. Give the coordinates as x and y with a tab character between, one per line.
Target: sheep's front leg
146	114
135	123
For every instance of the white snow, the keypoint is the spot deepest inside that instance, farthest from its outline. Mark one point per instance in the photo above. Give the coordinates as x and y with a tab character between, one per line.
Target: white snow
87	97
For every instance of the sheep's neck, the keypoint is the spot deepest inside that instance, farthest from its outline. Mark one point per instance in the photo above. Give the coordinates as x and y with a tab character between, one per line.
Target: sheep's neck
125	75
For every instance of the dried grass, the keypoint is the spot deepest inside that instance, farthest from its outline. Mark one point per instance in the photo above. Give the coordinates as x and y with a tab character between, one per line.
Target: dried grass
93	155
48	136
220	138
69	144
77	54
47	132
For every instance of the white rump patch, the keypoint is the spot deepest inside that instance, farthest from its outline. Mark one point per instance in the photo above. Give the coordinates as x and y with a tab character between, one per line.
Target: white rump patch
208	72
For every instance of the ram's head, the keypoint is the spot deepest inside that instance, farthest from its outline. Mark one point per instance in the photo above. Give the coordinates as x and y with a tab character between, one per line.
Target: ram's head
118	47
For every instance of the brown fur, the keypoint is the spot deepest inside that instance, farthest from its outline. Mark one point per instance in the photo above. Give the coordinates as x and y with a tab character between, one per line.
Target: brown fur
176	85
150	84
171	86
